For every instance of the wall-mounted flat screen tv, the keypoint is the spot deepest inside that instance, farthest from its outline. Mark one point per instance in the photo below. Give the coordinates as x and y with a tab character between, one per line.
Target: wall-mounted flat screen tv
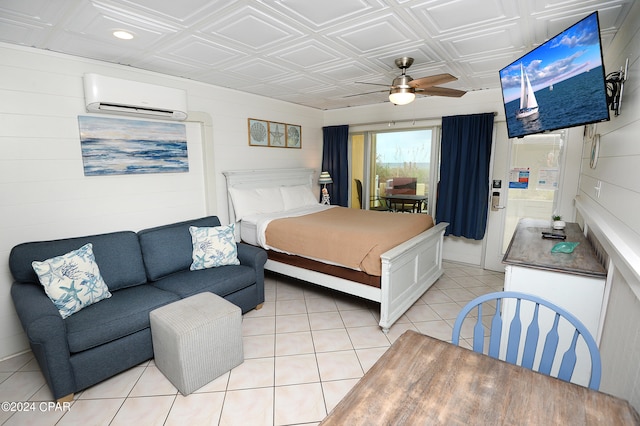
559	84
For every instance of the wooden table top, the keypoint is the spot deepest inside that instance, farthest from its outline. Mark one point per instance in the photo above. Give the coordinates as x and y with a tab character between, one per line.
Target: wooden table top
421	380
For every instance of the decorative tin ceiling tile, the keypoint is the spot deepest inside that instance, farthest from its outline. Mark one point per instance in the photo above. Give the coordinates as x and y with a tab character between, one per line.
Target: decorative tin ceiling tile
251	28
303	51
326	12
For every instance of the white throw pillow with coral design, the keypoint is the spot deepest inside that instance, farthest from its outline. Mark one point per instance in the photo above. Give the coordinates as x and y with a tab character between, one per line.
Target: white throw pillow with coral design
72	281
213	247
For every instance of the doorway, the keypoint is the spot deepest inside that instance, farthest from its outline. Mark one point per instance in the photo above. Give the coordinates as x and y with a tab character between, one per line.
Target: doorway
526	182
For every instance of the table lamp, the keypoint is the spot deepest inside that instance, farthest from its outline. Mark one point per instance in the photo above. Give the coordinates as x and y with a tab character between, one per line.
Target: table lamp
323	180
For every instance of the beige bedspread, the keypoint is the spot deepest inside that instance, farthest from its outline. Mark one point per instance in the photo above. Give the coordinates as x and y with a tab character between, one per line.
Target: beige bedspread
348	237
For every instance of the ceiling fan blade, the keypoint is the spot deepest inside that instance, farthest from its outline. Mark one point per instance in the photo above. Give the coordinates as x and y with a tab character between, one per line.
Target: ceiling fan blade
432	80
375	84
441	91
366	93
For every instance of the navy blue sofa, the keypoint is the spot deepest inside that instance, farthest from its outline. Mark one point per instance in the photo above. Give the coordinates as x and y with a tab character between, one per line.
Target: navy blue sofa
143	270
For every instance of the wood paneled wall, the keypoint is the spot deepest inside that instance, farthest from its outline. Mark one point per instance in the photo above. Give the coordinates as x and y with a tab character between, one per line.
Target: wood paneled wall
45	195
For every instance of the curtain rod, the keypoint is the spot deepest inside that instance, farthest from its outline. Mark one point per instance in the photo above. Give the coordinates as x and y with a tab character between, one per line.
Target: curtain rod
394	122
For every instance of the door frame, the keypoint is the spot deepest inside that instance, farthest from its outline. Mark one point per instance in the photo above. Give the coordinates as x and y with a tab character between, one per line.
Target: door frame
500	158
571	162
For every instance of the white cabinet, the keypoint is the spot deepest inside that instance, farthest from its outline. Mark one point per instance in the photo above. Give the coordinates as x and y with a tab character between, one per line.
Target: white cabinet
580	295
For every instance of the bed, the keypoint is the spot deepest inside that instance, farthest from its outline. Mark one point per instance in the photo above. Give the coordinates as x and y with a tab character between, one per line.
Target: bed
405	270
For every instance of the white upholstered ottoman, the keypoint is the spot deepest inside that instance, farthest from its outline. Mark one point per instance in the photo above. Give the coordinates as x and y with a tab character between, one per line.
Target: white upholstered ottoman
196	340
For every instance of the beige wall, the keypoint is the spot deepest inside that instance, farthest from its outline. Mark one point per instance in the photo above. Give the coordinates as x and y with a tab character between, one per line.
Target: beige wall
357	170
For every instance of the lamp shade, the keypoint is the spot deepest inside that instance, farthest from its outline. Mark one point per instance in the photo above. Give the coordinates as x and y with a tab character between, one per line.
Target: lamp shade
402	95
324	178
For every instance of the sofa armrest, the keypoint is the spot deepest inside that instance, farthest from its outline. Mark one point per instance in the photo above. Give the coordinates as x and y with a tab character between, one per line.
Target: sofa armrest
47	334
252	256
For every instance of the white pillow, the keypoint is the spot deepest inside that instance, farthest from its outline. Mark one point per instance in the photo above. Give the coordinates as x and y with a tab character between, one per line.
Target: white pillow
247	202
213	247
298	196
72	281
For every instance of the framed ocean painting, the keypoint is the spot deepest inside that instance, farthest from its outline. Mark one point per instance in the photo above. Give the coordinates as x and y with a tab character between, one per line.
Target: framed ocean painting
116	146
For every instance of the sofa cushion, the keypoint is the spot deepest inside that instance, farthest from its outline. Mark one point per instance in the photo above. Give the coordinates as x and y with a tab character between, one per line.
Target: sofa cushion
221	281
126	312
117	254
213	246
72	281
167	249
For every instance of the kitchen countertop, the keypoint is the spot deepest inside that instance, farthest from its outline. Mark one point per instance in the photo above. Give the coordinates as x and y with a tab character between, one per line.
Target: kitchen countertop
529	249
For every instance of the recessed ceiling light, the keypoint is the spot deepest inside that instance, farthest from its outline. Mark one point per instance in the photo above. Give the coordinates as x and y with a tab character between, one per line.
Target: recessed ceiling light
124	35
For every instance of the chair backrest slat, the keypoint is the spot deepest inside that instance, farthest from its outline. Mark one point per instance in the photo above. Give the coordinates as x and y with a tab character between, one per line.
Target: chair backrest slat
496	331
532	337
478	333
515	329
569	359
531	343
550	346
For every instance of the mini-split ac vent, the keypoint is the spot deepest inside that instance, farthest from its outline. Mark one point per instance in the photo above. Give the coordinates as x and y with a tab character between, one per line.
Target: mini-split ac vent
117	96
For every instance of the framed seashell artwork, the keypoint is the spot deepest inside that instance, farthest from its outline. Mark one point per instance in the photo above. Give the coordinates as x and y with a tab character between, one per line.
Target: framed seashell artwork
258	132
274	134
294	136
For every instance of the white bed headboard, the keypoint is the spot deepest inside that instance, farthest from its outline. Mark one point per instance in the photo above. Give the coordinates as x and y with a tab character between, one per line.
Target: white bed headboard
265	178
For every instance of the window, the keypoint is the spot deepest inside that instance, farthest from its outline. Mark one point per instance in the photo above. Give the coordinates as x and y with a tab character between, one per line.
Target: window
379	157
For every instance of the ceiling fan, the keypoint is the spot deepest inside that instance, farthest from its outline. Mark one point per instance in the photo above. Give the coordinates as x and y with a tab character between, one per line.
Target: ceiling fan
403	89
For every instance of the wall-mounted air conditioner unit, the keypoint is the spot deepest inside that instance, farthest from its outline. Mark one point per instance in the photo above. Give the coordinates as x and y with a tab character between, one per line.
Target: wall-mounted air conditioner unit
116	96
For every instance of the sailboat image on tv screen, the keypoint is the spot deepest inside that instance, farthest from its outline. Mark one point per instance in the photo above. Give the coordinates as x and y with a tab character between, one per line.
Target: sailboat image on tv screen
528	103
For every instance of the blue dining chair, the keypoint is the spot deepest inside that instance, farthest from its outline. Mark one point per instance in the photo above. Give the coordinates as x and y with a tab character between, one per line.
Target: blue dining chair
494	303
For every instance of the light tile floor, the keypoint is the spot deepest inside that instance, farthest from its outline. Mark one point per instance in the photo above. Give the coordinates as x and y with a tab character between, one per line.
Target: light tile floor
303	351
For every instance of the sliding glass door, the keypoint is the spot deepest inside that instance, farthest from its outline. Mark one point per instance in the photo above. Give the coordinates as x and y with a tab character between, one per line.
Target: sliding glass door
382	160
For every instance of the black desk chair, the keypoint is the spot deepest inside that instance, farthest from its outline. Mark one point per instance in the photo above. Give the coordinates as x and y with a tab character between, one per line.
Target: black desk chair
383	205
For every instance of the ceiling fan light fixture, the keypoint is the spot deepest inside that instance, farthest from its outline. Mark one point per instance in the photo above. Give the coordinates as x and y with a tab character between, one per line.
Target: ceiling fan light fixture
402	95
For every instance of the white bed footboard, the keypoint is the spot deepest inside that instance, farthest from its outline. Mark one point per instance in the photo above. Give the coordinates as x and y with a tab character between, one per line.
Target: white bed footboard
408	270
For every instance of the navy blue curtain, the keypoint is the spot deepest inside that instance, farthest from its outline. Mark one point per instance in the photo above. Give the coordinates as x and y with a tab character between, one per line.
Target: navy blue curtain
335	161
463	193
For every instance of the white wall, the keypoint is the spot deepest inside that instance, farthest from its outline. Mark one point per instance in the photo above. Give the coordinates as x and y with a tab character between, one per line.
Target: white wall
45	195
614	219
